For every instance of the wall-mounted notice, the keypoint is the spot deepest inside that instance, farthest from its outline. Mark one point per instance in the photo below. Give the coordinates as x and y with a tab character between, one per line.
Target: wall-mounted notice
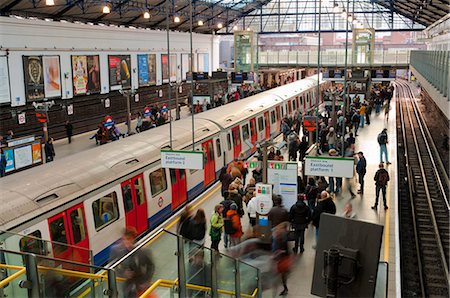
283	176
34	77
173	67
174	159
5	95
23	157
52	76
86	74
329	166
119	71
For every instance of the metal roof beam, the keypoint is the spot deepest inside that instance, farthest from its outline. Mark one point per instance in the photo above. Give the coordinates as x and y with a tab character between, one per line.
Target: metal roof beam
67	8
8	7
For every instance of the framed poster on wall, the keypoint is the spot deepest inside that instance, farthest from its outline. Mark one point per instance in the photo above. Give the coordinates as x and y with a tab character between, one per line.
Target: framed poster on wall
119	71
185	65
203	62
33	77
52	76
147	69
86	74
173	67
5	94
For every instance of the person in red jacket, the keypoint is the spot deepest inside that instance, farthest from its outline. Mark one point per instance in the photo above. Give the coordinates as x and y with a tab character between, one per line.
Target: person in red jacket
232	214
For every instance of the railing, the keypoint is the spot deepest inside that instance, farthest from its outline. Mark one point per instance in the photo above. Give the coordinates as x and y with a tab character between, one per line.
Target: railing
434	67
332	58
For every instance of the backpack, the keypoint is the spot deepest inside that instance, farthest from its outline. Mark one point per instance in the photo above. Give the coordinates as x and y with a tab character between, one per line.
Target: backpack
383	178
228	225
382	138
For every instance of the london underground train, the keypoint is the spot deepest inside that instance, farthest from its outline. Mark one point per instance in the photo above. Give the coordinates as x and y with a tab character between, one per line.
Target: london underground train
87	199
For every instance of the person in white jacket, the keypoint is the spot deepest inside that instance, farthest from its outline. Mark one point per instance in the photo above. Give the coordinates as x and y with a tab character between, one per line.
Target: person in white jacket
251	210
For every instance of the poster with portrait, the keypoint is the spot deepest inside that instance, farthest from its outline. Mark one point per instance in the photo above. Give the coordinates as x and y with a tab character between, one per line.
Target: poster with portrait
185	65
152	69
5	95
86	74
173	67
33	77
52	76
119	71
143	70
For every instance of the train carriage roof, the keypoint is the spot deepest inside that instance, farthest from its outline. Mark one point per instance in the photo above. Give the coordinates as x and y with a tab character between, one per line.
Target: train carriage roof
26	194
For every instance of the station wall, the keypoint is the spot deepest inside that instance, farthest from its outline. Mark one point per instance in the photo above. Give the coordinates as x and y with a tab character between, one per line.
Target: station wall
28	37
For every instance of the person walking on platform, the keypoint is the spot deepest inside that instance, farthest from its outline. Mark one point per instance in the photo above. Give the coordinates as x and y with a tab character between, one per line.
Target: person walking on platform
362	114
277	213
361	168
49	150
69	131
355	122
381	180
216	227
281	256
299	216
382	141
302	148
3	163
311	192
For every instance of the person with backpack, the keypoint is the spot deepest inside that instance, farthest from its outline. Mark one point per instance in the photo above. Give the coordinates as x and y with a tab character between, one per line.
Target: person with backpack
381	180
233	226
382	141
235	168
216	226
236	197
285	129
299	216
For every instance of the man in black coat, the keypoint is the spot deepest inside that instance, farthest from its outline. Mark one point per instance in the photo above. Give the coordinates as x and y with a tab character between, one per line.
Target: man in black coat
69	130
324	205
361	170
299	216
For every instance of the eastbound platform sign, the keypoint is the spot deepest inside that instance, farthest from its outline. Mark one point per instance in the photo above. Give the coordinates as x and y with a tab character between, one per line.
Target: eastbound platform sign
329	166
177	159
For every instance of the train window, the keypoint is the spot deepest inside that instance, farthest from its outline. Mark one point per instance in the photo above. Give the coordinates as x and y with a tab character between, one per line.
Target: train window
158	182
294	104
210	151
229	141
273	117
245	132
260	124
278	113
218	148
58	234
282	110
139	187
236	138
182	174
127	197
301	100
105	210
32	243
307	97
78	228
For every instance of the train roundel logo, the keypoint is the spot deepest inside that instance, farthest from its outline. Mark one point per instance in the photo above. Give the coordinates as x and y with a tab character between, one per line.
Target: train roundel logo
160	201
147	112
109	122
261	205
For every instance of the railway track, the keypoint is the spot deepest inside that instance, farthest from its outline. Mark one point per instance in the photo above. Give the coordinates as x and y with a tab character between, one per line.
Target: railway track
423	204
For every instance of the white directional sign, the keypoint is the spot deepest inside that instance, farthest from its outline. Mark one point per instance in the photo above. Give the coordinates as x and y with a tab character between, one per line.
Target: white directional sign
263	198
175	159
329	166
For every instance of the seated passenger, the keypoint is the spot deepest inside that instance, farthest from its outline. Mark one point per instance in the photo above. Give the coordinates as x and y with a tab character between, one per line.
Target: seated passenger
107	214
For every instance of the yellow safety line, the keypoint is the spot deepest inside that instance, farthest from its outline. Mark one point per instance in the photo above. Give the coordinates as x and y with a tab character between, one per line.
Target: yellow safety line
207	196
12	277
386	229
85	292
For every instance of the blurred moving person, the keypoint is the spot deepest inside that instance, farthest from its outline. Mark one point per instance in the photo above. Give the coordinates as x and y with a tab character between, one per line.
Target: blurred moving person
299	216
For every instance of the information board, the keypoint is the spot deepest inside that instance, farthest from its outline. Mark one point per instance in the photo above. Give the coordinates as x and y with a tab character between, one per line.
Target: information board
23	157
263	198
283	175
329	166
174	159
5	95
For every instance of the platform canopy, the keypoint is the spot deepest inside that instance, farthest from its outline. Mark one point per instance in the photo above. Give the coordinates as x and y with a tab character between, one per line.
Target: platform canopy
225	16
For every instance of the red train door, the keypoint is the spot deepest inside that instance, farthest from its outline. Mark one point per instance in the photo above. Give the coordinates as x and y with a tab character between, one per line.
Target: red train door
267	122
67	232
179	187
237	146
253	133
210	167
135	203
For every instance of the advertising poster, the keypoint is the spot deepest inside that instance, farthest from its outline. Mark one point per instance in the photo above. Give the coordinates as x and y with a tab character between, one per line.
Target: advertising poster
119	71
203	62
79	73
86	74
36	149
34	77
5	95
23	157
152	69
173	67
185	65
52	76
143	70
9	154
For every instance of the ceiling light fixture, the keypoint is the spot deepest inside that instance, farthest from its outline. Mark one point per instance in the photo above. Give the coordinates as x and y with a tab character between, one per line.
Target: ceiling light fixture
200	23
350	19
146	15
220	26
176	19
49	2
106	9
235	28
249	29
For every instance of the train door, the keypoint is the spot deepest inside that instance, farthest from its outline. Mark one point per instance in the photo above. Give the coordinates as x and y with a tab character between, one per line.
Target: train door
278	114
179	187
289	107
210	167
303	103
253	134
237	145
135	203
267	124
68	232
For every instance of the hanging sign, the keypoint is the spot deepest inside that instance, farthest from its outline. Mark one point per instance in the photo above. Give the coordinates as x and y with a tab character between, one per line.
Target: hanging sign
41	117
310	123
175	159
329	166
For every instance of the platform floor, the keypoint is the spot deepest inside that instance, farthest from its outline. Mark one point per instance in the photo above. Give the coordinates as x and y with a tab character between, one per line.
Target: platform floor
300	279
